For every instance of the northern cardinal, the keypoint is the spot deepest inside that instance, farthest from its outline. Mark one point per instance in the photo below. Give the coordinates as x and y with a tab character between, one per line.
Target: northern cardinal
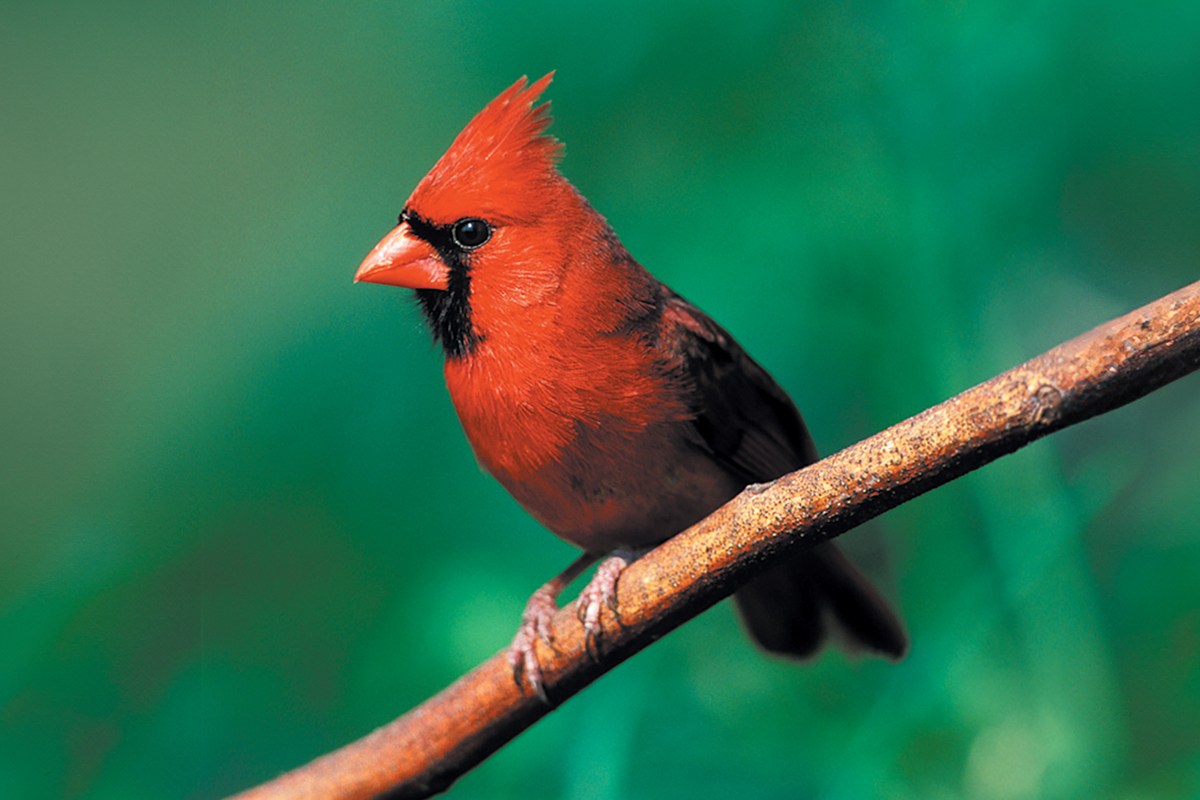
613	410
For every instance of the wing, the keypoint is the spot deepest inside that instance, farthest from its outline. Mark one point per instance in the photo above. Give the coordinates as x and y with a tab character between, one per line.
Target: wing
742	415
750	425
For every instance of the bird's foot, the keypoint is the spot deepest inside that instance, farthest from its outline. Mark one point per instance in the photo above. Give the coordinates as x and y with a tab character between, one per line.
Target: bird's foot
601	591
535	624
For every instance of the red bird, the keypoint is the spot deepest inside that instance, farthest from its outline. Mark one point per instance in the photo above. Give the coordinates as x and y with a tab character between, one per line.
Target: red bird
613	410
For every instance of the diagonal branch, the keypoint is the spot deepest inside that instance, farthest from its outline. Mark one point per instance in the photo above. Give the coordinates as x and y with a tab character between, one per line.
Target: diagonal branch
430	747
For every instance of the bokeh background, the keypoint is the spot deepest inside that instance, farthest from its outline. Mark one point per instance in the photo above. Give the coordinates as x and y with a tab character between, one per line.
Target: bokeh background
239	525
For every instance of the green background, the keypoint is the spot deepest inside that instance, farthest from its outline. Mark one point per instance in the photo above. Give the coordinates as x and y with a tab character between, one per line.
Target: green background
240	525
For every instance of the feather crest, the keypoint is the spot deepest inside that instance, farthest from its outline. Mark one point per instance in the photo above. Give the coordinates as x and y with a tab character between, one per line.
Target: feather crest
502	165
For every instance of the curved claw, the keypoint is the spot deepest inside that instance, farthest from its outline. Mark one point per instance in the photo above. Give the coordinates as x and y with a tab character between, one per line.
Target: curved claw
535	625
601	590
543	604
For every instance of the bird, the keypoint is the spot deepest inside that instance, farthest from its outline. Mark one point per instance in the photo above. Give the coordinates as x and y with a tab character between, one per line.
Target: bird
614	411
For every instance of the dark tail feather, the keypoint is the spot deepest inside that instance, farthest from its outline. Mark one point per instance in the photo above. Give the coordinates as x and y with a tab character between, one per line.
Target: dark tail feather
793	608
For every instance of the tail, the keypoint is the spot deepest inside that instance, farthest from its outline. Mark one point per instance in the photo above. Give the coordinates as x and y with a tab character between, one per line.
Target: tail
793	608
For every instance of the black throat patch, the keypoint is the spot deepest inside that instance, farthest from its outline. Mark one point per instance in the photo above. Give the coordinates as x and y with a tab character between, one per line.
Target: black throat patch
448	312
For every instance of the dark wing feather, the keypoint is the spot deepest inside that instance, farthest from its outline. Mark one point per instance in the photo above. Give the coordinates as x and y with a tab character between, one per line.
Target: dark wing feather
750	425
746	419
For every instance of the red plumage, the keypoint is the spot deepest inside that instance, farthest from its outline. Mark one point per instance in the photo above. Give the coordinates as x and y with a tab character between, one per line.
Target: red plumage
613	410
501	165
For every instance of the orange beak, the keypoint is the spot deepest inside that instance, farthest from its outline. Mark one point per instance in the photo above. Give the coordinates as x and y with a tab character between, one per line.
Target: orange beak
403	259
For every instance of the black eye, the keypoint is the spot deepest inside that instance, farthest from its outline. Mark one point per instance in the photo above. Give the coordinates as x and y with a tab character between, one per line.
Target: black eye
471	232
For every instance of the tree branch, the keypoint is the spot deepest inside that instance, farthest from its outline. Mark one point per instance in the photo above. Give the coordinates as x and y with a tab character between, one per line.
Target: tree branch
427	749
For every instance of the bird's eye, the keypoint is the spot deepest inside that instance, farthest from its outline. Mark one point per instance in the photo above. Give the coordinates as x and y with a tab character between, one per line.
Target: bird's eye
471	232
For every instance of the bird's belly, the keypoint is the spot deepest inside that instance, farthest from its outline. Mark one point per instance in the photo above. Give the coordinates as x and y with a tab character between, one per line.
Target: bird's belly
606	492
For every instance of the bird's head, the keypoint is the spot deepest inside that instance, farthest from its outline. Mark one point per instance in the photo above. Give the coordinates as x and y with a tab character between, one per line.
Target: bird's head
491	229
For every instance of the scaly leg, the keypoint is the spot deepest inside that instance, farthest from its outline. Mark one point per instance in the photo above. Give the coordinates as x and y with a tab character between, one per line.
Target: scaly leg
535	624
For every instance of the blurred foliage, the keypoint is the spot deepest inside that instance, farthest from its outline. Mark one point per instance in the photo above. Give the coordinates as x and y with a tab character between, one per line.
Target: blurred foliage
241	526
